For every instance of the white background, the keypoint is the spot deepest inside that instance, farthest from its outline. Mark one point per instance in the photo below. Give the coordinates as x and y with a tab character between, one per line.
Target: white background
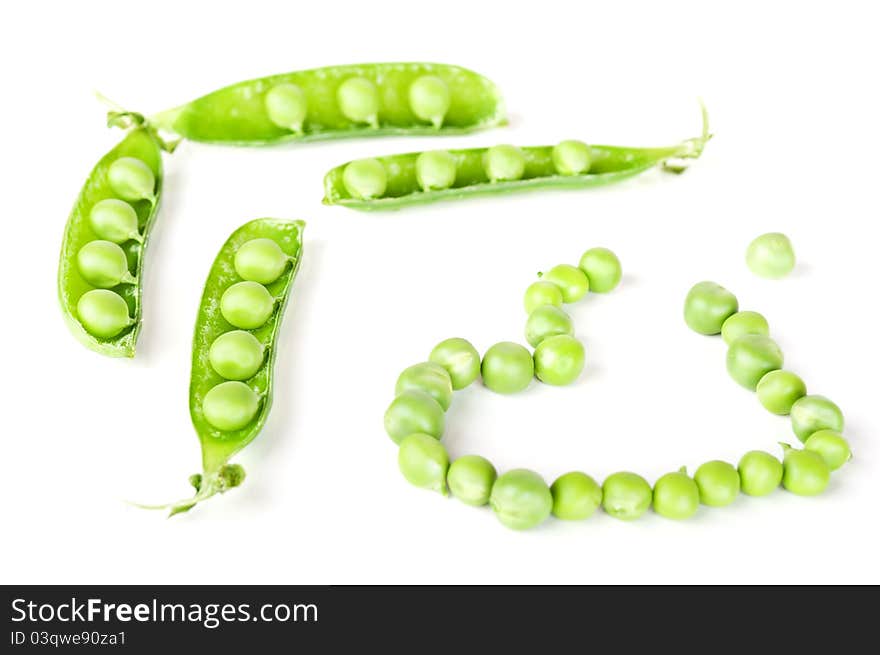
792	95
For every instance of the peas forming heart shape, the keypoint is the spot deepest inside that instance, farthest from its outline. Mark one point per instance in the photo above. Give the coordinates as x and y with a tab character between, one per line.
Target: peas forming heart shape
521	499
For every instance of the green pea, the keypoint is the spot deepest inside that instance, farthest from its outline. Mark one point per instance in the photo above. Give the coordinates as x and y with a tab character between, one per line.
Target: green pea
575	496
435	170
104	314
424	462
103	264
114	220
247	305
718	483
230	406
460	359
759	473
547	321
813	413
602	268
676	496
559	360
572	157
236	355
504	163
521	499
542	293
286	106
805	472
743	323
770	255
470	479
411	412
779	390
430	378
260	260
626	496
831	446
707	306
358	100
751	357
571	280
132	179
429	99
507	367
365	178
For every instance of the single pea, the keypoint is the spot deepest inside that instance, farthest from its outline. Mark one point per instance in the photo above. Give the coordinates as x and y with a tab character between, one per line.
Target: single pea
770	255
411	412
132	179
103	264
430	378
358	100
602	268
507	367
460	359
626	496
236	355
831	446
707	306
247	305
365	178
103	313
751	357
559	360
424	462
521	499
718	483
435	170
114	220
805	472
572	157
504	163
230	406
759	473
260	260
429	99
813	413
542	293
571	280
676	496
286	106
743	323
470	479
575	496
547	321
779	390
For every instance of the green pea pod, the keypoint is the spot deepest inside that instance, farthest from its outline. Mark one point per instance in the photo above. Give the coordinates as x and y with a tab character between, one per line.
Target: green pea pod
340	102
102	252
229	398
401	180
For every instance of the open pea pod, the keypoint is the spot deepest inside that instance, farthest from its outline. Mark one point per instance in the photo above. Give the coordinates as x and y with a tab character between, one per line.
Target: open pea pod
102	253
234	347
401	180
340	102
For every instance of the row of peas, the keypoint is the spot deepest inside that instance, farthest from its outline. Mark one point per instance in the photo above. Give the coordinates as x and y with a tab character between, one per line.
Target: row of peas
102	262
437	170
237	355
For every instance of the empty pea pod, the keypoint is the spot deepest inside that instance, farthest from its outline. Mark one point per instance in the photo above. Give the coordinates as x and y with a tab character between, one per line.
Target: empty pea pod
338	102
400	180
102	252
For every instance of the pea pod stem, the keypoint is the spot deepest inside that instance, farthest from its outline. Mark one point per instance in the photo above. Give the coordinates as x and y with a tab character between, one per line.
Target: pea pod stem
226	477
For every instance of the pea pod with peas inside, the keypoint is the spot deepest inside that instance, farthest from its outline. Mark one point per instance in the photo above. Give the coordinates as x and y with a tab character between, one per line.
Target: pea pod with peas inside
407	98
400	180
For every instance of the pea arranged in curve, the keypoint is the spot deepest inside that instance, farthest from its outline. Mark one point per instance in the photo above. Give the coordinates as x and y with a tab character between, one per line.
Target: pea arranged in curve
718	483
430	378
102	253
507	368
460	359
547	321
743	323
575	496
559	360
414	411
423	461
751	357
470	479
602	268
778	391
831	446
810	414
521	499
805	472
760	473
707	306
676	496
339	102
626	496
